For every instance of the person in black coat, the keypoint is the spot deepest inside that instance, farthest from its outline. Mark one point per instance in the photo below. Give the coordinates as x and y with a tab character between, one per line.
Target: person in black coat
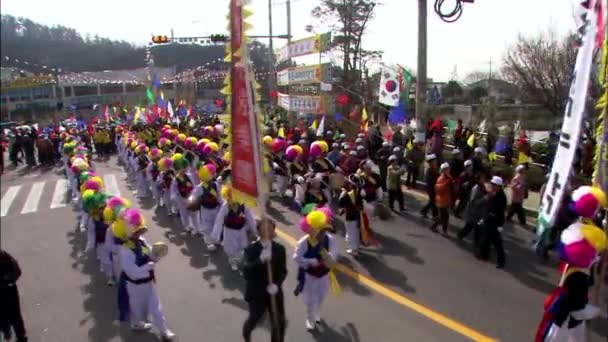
10	309
493	222
260	293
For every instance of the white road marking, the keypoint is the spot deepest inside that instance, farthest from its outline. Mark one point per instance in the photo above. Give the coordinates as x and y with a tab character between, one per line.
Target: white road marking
8	198
31	203
60	194
111	185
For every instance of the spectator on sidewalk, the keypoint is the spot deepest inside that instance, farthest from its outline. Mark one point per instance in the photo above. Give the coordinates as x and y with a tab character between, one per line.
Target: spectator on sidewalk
519	193
444	198
430	178
414	160
393	181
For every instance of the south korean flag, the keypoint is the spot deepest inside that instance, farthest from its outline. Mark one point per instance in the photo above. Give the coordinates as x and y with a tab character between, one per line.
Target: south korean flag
389	91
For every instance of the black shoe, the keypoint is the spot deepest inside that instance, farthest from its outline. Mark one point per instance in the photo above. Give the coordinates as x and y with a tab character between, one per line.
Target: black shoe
500	266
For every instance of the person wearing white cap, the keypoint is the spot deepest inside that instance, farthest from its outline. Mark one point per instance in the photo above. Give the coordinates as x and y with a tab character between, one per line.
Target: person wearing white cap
393	183
444	198
518	195
381	158
430	178
372	190
464	185
493	222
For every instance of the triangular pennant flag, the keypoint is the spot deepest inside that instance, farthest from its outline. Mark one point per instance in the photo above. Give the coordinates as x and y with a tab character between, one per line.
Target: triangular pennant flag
170	109
321	128
471	141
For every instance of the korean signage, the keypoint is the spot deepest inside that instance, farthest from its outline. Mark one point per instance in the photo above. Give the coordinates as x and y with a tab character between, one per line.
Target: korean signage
573	119
310	74
306	46
303	104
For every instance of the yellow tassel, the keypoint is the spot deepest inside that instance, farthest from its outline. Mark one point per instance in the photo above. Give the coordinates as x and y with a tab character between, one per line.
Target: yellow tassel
238	53
247	12
334	284
228	59
226	90
247	26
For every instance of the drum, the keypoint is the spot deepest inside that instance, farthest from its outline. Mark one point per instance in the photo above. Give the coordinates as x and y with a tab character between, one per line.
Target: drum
382	211
336	181
194	203
160	249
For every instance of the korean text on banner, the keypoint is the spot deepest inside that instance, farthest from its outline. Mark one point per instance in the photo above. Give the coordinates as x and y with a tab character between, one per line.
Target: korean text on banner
303	104
573	118
306	46
246	169
301	75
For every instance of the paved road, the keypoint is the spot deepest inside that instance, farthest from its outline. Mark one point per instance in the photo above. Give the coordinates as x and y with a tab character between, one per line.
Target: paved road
417	286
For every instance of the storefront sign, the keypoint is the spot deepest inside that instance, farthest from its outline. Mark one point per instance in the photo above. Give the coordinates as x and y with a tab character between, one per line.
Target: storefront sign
301	103
306	46
310	74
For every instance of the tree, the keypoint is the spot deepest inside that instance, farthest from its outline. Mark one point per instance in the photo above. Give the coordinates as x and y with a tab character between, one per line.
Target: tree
477	93
452	89
350	18
541	66
476	76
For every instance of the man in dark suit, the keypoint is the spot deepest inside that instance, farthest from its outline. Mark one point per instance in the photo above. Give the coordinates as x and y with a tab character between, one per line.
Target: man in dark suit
263	289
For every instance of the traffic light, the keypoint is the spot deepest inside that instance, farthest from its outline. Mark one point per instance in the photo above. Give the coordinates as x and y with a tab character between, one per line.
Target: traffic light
218	38
160	39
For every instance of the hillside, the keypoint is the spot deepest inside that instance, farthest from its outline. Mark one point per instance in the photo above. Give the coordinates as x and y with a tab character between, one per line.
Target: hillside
65	48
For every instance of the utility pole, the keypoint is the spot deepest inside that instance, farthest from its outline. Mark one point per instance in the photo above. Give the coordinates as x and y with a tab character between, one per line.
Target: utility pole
421	73
271	50
288	6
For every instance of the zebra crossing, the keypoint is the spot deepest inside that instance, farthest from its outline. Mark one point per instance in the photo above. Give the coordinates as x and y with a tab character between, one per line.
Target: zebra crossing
22	199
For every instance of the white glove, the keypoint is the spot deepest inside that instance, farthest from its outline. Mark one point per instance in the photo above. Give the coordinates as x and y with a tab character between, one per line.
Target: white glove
313	262
265	255
362	193
499	229
272	289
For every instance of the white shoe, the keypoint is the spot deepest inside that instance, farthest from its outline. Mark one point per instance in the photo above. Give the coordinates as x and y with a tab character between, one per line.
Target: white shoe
211	247
111	282
352	252
168	335
141	326
309	325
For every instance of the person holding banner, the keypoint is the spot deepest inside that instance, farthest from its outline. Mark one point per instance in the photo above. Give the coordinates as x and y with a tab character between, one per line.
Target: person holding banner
263	289
316	254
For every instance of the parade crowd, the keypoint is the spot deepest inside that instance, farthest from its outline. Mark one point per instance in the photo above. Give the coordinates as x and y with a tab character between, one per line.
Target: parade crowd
321	173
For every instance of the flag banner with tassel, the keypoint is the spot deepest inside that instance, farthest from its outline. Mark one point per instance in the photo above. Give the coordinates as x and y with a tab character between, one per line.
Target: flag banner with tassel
573	118
600	174
246	156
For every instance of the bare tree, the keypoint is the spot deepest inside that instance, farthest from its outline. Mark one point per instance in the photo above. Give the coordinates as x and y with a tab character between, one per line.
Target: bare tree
349	18
476	76
540	67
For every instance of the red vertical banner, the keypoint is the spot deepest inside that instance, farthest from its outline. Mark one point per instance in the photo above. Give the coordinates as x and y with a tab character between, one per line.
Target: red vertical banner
246	170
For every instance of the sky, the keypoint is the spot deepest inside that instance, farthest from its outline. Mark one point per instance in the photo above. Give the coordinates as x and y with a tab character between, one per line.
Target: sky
483	33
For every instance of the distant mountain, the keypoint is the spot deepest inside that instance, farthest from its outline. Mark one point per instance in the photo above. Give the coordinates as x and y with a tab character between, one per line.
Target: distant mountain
65	48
